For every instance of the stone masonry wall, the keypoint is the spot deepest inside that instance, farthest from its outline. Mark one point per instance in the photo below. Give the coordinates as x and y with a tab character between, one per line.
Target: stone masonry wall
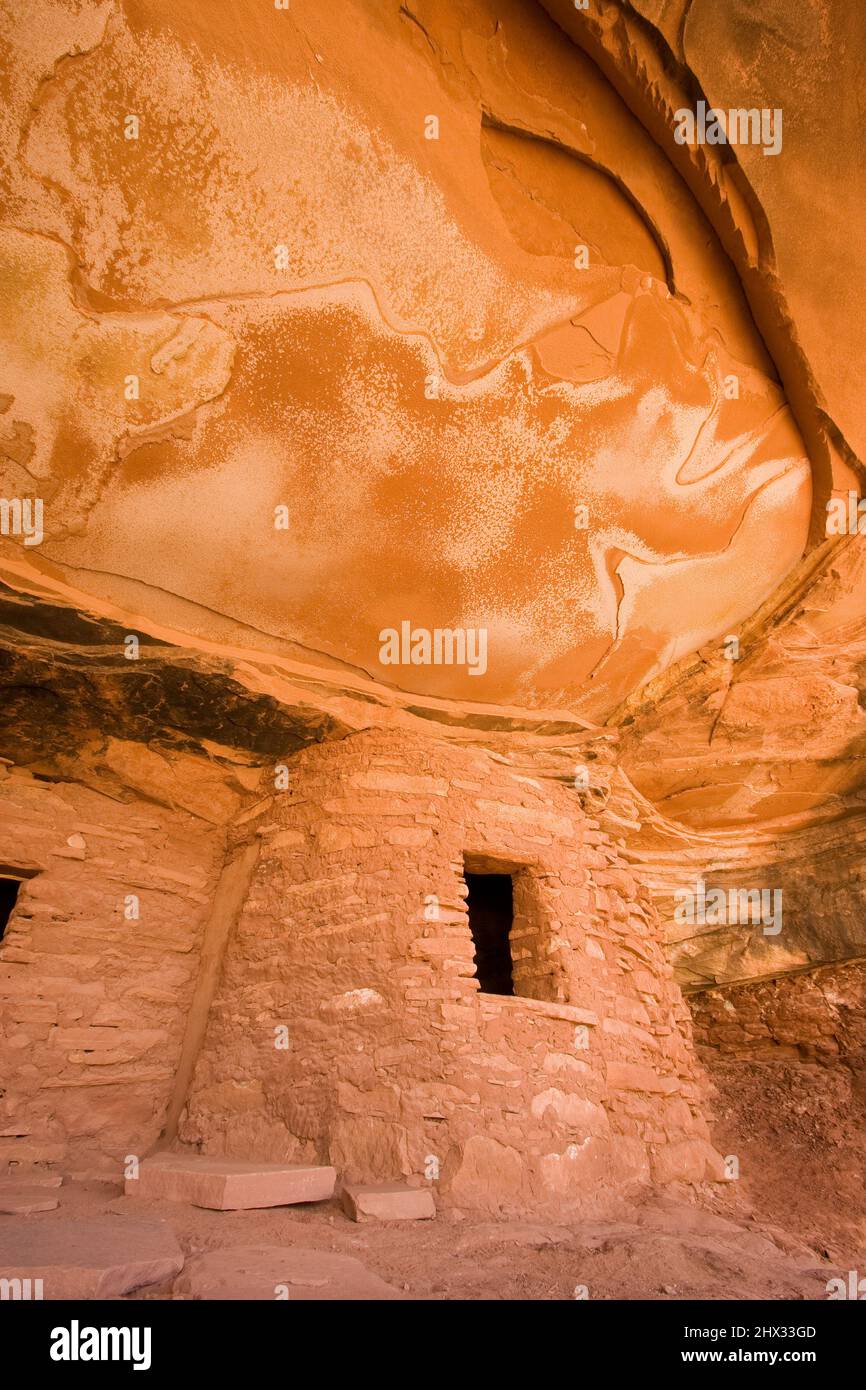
93	1004
816	1016
349	1027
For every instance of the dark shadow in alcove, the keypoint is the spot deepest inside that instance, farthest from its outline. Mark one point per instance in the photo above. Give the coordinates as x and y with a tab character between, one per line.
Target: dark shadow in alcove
491	913
8	896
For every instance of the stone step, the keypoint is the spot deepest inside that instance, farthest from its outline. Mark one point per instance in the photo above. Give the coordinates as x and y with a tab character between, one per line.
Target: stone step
389	1201
26	1178
22	1199
100	1258
228	1184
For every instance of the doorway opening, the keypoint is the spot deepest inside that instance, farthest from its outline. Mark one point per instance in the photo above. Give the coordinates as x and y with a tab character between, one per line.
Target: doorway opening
491	915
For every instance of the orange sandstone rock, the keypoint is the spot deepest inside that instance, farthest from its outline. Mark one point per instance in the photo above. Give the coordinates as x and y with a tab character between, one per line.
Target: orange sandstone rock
388	1202
228	1184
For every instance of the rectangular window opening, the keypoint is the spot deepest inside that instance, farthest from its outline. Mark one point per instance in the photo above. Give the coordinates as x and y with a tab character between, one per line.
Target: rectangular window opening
8	897
491	914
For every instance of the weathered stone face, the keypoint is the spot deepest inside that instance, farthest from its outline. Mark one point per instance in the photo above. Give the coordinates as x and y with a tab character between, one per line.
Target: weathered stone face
373	345
753	774
814	1018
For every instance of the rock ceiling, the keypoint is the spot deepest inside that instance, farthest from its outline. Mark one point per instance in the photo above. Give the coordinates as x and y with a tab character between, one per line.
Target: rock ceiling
321	320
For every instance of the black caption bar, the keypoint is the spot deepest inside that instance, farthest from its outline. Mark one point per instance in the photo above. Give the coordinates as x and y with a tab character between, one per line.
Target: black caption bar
146	1338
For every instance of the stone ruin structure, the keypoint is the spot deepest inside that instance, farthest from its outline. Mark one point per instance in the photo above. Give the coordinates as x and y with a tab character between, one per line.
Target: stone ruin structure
419	320
404	1048
318	987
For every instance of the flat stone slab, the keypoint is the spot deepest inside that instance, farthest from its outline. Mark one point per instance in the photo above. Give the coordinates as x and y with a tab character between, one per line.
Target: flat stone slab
20	1199
389	1201
99	1258
228	1184
7	1182
276	1273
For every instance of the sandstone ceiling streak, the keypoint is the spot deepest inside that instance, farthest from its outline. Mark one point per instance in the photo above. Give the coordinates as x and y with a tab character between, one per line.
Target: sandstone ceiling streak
394	338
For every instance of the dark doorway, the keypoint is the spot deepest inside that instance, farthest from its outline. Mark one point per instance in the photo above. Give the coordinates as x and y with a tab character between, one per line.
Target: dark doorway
8	893
491	913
